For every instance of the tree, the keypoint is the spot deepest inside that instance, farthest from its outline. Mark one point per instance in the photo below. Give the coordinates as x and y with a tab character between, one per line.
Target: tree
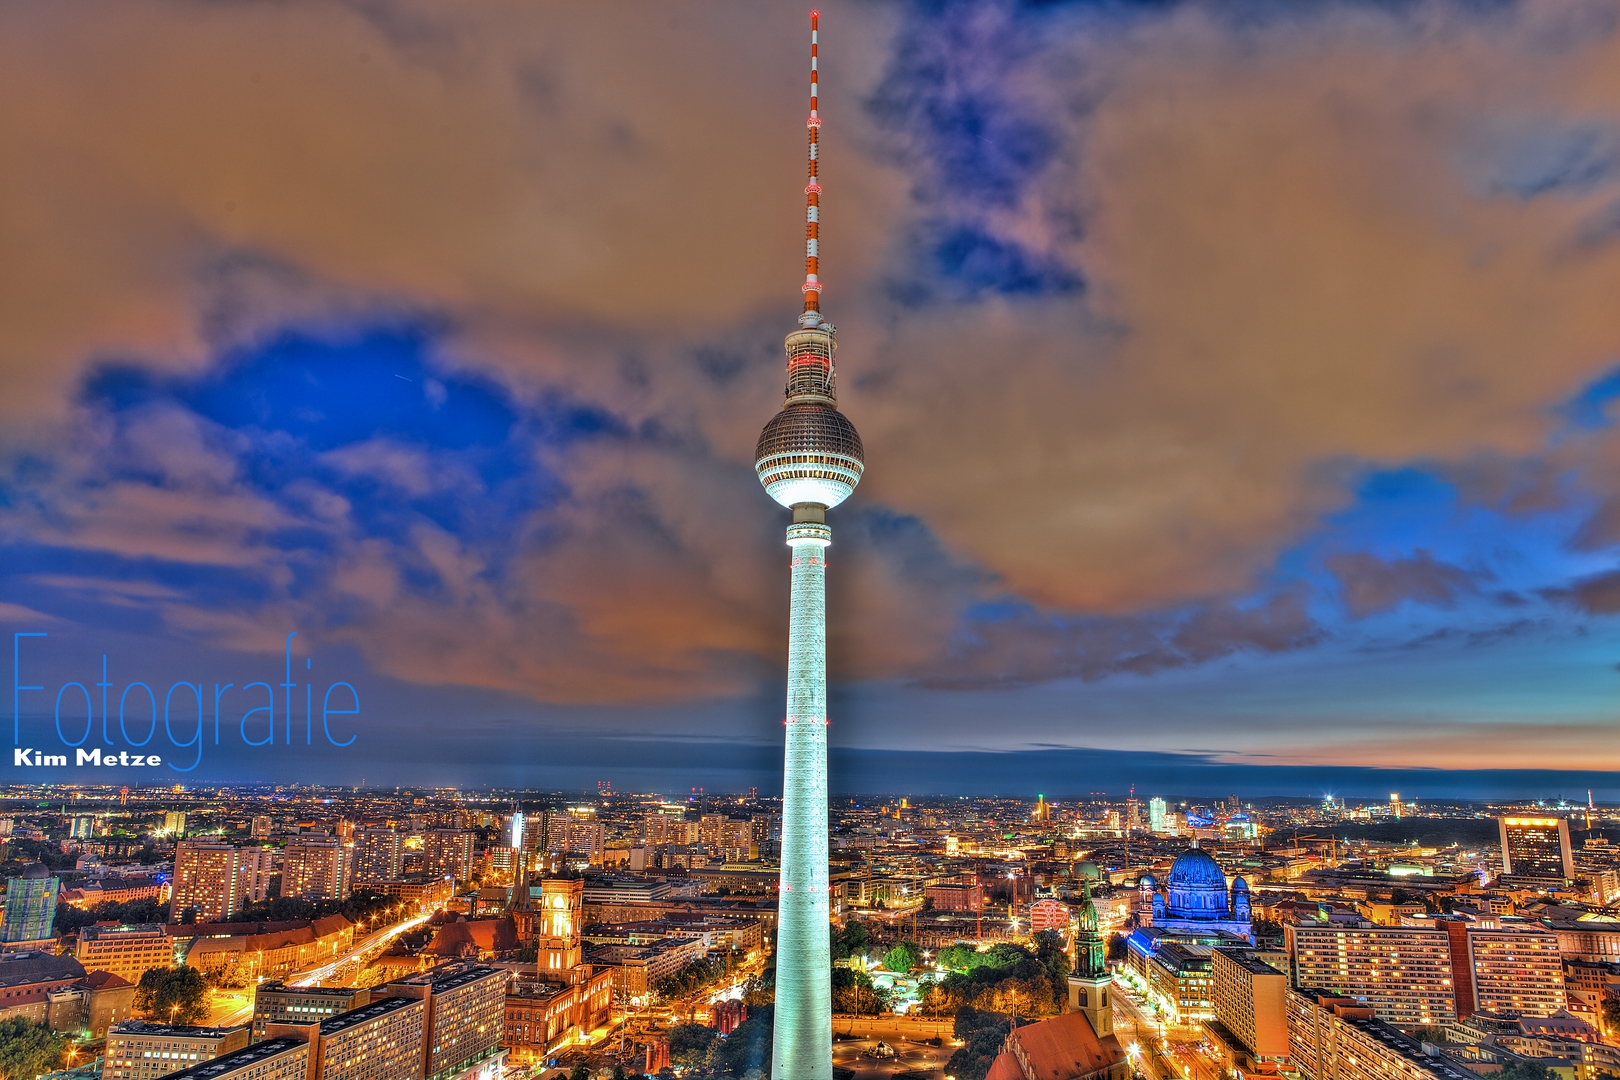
1611	1013
690	1044
1266	930
982	1034
173	995
28	1049
1116	947
746	1052
1525	1069
902	958
853	994
581	1071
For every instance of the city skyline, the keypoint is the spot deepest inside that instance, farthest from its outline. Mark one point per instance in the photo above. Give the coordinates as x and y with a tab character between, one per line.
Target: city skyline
1255	436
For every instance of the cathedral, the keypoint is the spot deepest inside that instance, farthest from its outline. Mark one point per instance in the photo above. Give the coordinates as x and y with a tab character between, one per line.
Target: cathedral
1198	899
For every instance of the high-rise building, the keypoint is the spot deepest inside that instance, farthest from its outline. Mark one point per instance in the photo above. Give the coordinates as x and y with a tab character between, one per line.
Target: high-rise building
30	913
257	865
515	830
534	832
1512	969
1251	1011
316	868
174	823
1404	972
1156	815
137	1050
378	854
381	1039
262	827
449	853
207	881
1333	1037
465	1019
809	458
1537	849
578	835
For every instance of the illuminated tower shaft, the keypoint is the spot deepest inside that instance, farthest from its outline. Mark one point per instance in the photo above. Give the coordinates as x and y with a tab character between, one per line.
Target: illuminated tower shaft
803	1026
809	457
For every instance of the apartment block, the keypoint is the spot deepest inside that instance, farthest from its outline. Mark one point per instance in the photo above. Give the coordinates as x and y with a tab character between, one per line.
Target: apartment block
449	853
378	855
1250	999
1403	973
379	1041
126	951
207	881
316	868
277	1003
1332	1037
137	1050
272	1059
466	1009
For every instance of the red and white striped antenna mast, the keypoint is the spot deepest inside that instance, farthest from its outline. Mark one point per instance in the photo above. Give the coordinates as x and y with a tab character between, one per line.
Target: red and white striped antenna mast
812	194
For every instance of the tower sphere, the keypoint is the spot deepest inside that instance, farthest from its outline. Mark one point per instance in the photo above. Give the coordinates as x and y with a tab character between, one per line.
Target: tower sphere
809	454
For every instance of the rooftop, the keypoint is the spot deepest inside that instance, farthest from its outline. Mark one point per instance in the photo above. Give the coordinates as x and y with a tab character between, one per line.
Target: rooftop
259	1051
177	1031
365	1014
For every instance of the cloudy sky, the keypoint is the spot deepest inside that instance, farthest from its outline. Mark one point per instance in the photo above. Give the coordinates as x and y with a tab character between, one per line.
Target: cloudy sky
1237	381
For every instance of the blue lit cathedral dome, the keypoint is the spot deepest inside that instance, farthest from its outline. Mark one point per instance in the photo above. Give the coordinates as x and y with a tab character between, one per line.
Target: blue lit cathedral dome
1197	887
1197	899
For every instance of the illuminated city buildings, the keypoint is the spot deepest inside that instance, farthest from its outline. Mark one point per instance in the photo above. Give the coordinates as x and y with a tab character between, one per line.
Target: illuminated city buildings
207	881
1196	913
271	1059
277	1003
1249	998
1402	972
378	855
137	1050
316	868
126	951
30	908
809	458
1537	850
449	854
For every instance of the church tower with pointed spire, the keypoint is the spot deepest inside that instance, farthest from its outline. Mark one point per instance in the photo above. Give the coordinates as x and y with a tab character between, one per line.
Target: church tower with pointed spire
1090	989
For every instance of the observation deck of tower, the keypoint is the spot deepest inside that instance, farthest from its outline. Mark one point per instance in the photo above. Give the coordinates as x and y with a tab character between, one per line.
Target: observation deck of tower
809	458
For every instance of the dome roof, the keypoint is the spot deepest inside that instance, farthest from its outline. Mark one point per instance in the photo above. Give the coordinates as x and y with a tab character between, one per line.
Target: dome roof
1239	885
1198	888
1088	869
1196	867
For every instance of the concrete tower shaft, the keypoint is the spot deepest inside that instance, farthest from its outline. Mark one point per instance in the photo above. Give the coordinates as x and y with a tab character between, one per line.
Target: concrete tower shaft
809	457
803	1030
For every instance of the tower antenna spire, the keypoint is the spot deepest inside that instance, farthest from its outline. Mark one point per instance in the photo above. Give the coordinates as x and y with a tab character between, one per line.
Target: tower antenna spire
812	193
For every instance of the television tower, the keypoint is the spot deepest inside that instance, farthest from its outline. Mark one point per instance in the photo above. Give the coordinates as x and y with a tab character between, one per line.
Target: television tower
809	458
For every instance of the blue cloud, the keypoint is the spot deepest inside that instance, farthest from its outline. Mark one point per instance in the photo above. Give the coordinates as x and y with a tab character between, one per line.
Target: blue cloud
1528	159
1590	407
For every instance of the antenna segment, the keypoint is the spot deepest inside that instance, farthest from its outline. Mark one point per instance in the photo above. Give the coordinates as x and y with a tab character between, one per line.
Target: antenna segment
812	190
